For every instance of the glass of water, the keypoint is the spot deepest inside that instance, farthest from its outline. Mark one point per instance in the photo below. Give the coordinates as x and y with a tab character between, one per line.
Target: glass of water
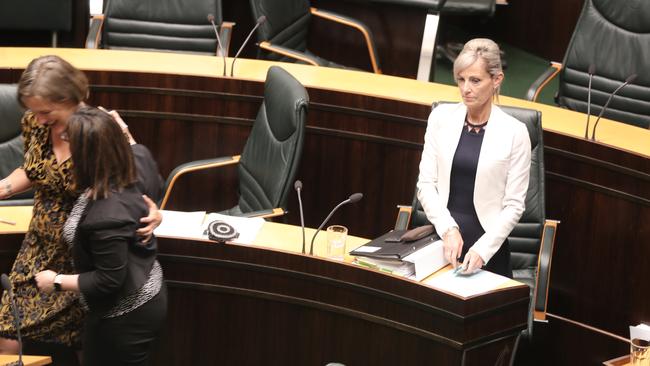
336	235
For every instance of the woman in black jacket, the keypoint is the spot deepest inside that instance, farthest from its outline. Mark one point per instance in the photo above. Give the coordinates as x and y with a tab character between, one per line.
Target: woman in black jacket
118	277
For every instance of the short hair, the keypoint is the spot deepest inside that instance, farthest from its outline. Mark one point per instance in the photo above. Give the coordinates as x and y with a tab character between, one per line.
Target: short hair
102	159
54	79
484	49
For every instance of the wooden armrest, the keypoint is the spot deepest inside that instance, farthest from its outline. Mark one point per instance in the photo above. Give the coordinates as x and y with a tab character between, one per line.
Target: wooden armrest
356	24
193	166
287	52
225	34
403	217
93	40
273	212
540	295
543	80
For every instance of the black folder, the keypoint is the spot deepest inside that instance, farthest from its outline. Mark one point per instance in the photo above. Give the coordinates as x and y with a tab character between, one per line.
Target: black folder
389	248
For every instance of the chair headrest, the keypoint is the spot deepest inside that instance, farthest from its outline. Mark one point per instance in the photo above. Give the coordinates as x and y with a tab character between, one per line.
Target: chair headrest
283	96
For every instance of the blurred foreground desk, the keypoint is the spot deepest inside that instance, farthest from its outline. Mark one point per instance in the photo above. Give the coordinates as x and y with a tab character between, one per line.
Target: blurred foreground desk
27	360
267	304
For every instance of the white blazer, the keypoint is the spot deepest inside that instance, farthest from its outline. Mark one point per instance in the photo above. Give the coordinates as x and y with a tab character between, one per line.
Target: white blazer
501	175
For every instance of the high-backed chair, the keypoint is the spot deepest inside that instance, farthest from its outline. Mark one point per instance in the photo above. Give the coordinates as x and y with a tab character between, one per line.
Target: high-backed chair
268	164
11	141
532	239
614	36
164	25
283	36
30	15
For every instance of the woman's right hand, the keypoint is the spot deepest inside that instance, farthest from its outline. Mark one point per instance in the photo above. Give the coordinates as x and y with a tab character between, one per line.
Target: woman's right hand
452	245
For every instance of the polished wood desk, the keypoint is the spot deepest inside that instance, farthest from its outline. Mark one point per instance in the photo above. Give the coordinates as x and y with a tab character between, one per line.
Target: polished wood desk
266	303
27	360
365	134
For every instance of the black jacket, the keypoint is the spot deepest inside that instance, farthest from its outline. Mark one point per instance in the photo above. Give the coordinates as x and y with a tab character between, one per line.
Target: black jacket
110	259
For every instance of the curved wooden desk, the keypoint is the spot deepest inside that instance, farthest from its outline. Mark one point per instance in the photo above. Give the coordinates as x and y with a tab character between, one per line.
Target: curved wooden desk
365	134
268	304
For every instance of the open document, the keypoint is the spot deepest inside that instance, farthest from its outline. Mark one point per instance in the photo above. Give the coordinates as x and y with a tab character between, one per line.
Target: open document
193	225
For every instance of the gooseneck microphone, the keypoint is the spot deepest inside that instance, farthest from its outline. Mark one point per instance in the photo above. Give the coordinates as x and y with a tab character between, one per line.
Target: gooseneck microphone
353	198
627	81
298	187
216	33
259	22
592	71
6	285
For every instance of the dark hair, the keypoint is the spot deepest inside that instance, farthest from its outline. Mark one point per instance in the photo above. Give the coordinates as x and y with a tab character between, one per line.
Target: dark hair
54	79
101	156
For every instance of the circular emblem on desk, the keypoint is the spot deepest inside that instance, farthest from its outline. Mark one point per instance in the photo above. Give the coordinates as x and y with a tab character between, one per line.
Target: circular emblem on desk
221	231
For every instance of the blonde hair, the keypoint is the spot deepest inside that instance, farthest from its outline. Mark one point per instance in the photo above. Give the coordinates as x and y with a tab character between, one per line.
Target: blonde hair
54	79
484	49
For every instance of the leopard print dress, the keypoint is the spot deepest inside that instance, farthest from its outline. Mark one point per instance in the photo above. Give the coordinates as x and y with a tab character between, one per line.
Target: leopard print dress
56	317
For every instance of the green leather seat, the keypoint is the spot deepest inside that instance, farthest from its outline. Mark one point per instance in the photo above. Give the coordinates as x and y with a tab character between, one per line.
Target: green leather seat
164	25
614	36
283	36
270	159
11	141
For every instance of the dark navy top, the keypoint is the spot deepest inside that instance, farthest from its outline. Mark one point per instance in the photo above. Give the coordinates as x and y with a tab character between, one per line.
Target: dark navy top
461	198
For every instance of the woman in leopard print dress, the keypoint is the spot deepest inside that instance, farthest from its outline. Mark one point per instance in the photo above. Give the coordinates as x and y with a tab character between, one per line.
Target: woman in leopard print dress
52	90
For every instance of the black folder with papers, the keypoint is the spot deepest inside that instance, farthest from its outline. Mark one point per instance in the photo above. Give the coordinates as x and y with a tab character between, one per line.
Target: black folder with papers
387	246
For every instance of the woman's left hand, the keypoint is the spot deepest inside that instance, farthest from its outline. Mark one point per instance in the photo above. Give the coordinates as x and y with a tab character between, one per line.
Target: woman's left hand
45	280
153	220
472	262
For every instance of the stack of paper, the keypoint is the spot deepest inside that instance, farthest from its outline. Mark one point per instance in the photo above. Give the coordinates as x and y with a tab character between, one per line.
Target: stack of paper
416	260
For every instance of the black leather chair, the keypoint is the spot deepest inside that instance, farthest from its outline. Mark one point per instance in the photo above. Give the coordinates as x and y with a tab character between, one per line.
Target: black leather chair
30	15
532	239
614	36
164	25
268	164
11	141
283	37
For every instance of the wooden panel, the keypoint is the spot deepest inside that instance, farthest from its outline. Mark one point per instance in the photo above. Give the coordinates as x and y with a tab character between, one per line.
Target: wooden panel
295	309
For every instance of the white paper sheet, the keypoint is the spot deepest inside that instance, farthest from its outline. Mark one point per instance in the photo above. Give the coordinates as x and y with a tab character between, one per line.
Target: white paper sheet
247	227
641	331
466	286
181	224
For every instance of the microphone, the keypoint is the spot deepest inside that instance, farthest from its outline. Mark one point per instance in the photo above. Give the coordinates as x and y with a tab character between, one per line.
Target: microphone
353	198
6	285
216	33
298	187
627	81
592	71
259	22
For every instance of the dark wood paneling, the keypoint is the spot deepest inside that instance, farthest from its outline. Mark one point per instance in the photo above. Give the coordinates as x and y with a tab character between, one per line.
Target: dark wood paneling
541	27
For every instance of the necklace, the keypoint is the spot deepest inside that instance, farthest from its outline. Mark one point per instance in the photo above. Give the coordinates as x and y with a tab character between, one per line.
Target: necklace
476	128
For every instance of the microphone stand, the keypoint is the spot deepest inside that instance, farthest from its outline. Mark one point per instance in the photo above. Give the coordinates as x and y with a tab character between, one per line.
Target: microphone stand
353	198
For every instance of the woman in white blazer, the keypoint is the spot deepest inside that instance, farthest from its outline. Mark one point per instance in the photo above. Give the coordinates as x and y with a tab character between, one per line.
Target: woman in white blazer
475	166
